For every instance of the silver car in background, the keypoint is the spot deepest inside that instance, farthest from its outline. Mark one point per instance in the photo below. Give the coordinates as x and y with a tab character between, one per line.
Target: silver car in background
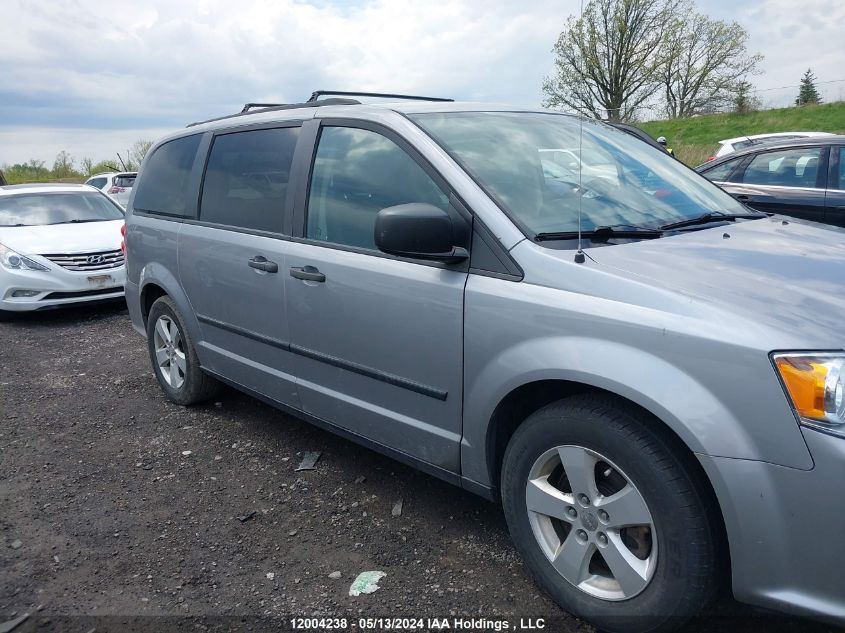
645	373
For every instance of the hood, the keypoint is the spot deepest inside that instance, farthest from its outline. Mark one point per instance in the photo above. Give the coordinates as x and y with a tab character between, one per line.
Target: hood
775	271
87	237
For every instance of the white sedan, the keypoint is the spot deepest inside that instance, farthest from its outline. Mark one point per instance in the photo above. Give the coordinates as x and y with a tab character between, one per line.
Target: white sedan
59	245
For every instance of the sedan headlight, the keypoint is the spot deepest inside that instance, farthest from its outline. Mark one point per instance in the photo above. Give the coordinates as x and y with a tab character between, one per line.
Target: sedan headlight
815	383
11	260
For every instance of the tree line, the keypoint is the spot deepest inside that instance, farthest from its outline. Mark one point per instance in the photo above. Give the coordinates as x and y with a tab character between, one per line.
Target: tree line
622	57
66	167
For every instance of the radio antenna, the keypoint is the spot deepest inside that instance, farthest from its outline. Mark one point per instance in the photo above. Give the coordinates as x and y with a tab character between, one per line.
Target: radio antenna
580	258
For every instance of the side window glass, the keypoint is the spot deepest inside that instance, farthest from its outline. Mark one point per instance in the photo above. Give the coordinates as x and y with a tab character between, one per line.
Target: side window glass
165	178
99	183
721	173
786	168
246	179
842	168
357	173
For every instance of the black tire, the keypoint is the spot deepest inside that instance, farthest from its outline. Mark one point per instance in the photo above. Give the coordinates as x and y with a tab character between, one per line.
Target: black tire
197	385
6	315
685	576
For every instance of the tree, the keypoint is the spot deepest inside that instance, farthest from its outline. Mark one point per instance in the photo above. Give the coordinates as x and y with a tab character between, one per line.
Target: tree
744	100
138	151
63	165
87	166
705	64
807	93
608	61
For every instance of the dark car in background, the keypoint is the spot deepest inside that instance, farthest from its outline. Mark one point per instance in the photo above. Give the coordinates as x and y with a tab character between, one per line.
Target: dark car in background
802	178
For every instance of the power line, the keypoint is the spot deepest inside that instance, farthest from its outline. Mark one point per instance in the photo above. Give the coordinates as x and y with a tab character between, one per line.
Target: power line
832	81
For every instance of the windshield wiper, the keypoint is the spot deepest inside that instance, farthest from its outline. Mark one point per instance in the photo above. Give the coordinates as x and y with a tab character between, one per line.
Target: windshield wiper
624	231
75	221
712	216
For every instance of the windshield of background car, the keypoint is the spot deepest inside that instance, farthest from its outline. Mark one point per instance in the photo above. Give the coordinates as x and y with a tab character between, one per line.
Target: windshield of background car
38	209
537	166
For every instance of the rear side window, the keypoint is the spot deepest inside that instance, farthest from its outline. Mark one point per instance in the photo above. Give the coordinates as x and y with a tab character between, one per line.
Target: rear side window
246	179
99	183
797	167
166	176
357	173
721	173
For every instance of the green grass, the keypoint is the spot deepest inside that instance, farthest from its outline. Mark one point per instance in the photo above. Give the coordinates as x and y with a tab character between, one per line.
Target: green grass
695	139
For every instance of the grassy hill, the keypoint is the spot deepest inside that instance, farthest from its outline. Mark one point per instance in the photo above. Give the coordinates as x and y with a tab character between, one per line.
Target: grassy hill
697	138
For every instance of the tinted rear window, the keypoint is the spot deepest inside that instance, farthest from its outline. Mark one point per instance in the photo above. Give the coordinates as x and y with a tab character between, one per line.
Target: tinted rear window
124	181
246	180
38	209
166	176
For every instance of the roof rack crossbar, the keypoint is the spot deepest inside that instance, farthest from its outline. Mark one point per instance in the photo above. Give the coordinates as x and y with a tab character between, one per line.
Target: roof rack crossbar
249	106
321	93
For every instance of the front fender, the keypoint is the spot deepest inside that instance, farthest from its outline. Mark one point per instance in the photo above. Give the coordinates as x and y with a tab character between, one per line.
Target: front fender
706	423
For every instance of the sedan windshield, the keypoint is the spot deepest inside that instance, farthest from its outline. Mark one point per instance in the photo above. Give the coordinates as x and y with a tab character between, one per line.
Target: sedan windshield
541	167
38	209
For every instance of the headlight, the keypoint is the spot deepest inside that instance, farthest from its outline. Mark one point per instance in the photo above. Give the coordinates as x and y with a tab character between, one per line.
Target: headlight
11	260
815	384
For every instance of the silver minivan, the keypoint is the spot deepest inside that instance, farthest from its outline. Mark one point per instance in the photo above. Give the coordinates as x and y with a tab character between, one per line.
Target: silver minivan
645	373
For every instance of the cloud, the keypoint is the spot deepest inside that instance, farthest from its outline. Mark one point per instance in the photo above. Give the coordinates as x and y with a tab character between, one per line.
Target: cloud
102	74
100	65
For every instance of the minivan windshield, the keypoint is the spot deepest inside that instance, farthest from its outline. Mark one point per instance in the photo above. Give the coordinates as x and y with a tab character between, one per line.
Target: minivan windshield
538	165
37	209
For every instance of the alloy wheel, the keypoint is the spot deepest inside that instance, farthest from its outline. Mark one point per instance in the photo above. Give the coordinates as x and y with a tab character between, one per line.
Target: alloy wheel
591	522
169	351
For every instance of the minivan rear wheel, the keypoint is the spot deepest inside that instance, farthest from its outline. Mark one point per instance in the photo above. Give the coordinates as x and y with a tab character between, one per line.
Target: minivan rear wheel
174	358
609	517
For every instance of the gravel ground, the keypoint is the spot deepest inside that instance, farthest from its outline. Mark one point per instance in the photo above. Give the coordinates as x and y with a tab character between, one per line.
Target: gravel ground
114	502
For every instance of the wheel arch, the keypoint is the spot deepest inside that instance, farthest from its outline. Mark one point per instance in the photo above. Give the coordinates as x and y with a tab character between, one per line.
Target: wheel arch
157	281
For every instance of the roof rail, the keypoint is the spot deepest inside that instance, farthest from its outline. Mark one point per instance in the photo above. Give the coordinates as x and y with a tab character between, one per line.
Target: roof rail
321	93
271	107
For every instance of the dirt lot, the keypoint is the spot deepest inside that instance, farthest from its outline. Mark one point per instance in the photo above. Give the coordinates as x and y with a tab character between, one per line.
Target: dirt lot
114	502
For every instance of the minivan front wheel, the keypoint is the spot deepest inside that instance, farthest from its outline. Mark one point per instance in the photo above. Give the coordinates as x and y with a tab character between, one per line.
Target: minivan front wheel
610	519
174	358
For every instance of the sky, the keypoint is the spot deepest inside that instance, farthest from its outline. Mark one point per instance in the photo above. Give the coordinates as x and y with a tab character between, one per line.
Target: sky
93	76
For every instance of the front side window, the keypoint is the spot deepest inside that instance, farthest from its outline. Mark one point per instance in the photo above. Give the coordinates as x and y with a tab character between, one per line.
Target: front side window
542	167
38	209
357	173
798	167
246	180
166	177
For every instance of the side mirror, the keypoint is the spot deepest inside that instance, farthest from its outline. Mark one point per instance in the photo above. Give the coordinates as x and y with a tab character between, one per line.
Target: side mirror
420	231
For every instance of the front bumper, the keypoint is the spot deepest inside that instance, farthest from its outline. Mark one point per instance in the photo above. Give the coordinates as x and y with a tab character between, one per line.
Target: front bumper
786	529
58	287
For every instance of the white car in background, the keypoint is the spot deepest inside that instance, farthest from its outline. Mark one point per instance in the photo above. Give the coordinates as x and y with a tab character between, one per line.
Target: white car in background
118	185
59	245
732	145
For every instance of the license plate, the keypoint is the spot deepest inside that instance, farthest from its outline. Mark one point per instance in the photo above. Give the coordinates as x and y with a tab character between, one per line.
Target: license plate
99	281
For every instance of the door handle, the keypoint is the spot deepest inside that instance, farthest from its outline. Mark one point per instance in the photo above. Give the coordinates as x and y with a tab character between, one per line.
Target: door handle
262	263
307	273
